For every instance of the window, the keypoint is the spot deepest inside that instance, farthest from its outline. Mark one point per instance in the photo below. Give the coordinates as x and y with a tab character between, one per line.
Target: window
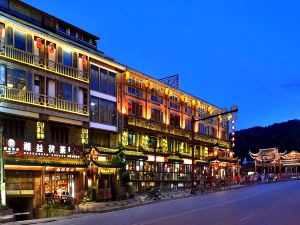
103	111
75	59
107	82
174	120
19	79
10	39
14	129
111	113
135	109
202	129
224	135
20	40
174	98
201	111
188	104
73	33
67	58
94	78
188	124
59	55
29	43
131	139
188	111
152	142
62	28
157	90
157	99
174	106
170	145
156	115
59	135
94	109
214	132
64	91
133	81
111	84
2	74
200	115
86	39
136	92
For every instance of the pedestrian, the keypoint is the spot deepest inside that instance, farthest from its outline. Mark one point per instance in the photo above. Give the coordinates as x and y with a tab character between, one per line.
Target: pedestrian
56	198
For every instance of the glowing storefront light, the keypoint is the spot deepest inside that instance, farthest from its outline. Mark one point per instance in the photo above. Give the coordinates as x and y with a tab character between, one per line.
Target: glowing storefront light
25	148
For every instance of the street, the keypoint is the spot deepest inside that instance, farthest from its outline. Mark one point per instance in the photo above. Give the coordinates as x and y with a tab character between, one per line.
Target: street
269	204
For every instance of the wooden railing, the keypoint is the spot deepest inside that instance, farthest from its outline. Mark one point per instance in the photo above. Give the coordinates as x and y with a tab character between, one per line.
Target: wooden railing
161	127
42	100
37	61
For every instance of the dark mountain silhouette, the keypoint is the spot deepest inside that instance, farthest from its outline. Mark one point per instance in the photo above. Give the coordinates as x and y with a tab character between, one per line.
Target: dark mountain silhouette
284	136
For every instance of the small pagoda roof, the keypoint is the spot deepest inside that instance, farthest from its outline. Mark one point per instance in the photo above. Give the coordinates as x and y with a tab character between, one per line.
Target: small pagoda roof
292	155
266	153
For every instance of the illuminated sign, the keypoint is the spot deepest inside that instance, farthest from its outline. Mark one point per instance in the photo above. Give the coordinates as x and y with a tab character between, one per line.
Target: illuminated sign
187	161
107	171
26	148
151	158
11	148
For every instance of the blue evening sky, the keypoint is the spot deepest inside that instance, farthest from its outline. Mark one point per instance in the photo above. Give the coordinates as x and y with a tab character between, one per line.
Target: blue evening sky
244	52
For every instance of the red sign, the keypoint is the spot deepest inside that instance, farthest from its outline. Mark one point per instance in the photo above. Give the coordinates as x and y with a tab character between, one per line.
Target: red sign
24	148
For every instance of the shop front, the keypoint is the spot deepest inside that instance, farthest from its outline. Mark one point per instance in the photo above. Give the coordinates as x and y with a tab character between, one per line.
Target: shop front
35	171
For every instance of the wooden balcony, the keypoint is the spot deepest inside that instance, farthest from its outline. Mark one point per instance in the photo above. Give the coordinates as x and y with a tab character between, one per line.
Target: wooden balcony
27	97
28	58
177	131
222	157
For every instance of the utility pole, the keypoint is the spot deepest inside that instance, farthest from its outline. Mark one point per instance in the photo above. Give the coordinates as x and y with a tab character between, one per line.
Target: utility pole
193	190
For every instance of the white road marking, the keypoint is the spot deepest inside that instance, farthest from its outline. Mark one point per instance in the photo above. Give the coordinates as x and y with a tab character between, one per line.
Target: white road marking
291	196
275	204
245	218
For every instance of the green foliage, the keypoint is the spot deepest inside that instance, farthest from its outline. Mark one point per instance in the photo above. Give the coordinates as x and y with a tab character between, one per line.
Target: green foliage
51	206
124	178
3	207
118	161
285	136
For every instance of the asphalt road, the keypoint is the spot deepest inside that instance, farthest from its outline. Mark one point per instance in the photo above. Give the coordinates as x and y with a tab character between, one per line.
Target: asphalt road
268	204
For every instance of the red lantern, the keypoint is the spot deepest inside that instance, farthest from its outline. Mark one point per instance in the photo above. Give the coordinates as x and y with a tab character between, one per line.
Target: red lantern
38	42
84	61
51	48
1	30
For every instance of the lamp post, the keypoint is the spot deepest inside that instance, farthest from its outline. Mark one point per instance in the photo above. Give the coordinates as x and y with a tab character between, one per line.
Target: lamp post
193	191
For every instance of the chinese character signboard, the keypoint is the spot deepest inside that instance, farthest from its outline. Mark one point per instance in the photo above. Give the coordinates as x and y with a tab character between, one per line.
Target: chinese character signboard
25	148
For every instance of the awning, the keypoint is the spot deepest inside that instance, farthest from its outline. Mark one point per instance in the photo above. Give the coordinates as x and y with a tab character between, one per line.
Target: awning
134	155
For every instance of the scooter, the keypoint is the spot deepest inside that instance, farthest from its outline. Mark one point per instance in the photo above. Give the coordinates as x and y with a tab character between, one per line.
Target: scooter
155	194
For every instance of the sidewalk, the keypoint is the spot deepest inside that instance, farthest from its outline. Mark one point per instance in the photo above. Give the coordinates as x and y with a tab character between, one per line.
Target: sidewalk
102	207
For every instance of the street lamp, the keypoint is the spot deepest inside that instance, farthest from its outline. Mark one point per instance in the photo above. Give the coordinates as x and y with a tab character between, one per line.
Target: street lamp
234	109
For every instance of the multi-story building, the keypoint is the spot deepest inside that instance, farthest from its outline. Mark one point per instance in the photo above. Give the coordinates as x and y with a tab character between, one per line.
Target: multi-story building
68	113
157	134
45	70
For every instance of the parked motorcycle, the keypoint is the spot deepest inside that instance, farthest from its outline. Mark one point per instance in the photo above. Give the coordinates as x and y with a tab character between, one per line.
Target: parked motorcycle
154	194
